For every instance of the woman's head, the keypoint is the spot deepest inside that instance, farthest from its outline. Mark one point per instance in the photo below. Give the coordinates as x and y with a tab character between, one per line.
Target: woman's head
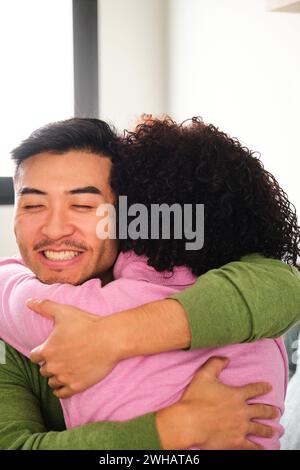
245	210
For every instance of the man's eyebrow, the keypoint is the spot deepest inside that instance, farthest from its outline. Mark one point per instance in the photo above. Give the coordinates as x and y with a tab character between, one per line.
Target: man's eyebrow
24	191
83	190
86	189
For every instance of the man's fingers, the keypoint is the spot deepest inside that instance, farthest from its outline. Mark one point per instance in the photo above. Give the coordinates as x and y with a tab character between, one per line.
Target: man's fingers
255	390
213	367
260	411
209	371
260	430
54	383
36	355
45	372
249	445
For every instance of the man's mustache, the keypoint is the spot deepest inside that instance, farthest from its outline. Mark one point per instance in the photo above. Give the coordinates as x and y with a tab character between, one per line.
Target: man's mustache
65	244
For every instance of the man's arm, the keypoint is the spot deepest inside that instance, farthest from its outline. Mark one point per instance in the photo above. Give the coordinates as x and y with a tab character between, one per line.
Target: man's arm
28	410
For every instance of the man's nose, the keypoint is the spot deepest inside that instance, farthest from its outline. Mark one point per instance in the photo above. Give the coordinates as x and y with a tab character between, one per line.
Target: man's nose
57	225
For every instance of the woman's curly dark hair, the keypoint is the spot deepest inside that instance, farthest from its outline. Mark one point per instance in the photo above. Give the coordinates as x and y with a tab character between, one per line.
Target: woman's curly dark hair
245	209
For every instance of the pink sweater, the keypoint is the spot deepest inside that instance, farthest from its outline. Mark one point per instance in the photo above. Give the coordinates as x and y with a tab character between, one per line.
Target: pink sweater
141	384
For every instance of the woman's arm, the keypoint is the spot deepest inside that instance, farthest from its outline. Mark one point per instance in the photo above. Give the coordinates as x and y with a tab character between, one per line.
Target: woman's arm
18	325
243	301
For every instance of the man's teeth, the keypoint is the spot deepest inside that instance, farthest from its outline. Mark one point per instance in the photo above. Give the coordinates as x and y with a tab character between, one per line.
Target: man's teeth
61	255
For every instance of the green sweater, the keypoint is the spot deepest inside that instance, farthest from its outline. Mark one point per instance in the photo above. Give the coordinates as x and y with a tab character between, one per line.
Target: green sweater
242	301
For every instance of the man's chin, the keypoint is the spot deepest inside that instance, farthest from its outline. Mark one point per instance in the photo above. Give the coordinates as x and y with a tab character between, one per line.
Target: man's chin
57	278
56	275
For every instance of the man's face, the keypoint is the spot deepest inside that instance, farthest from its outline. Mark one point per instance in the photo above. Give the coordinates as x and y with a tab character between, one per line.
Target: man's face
55	217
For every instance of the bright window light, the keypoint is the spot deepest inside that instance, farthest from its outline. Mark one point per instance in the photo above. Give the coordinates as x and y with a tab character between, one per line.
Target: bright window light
36	80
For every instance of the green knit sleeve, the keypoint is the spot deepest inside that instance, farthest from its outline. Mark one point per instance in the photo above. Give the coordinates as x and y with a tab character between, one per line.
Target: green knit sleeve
243	301
138	434
31	417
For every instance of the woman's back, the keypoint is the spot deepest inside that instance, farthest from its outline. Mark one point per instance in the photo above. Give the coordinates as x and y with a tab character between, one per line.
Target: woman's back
147	383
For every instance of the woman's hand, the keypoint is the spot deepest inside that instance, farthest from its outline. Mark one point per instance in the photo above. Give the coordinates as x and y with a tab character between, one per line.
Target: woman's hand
82	349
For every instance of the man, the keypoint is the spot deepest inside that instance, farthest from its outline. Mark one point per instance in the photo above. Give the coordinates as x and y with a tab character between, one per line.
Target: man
55	229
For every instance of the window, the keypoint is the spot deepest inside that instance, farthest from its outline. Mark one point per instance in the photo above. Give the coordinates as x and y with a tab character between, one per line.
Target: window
49	69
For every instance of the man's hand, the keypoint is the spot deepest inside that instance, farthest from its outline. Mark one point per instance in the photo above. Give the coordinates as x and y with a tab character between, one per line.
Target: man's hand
212	416
78	353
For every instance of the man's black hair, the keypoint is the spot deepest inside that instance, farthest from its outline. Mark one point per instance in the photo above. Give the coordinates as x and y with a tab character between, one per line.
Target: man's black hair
92	135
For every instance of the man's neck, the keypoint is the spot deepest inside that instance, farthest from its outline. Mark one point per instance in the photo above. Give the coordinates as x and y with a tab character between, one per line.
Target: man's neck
107	277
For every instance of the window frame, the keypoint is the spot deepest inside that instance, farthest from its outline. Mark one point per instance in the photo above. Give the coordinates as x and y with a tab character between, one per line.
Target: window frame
86	76
6	190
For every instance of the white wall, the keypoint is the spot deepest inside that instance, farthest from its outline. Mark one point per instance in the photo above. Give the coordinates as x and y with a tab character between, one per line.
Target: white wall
238	66
283	5
132	65
8	246
230	61
36	79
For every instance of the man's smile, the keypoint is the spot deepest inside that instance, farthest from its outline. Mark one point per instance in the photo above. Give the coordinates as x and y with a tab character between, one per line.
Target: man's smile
60	255
60	258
